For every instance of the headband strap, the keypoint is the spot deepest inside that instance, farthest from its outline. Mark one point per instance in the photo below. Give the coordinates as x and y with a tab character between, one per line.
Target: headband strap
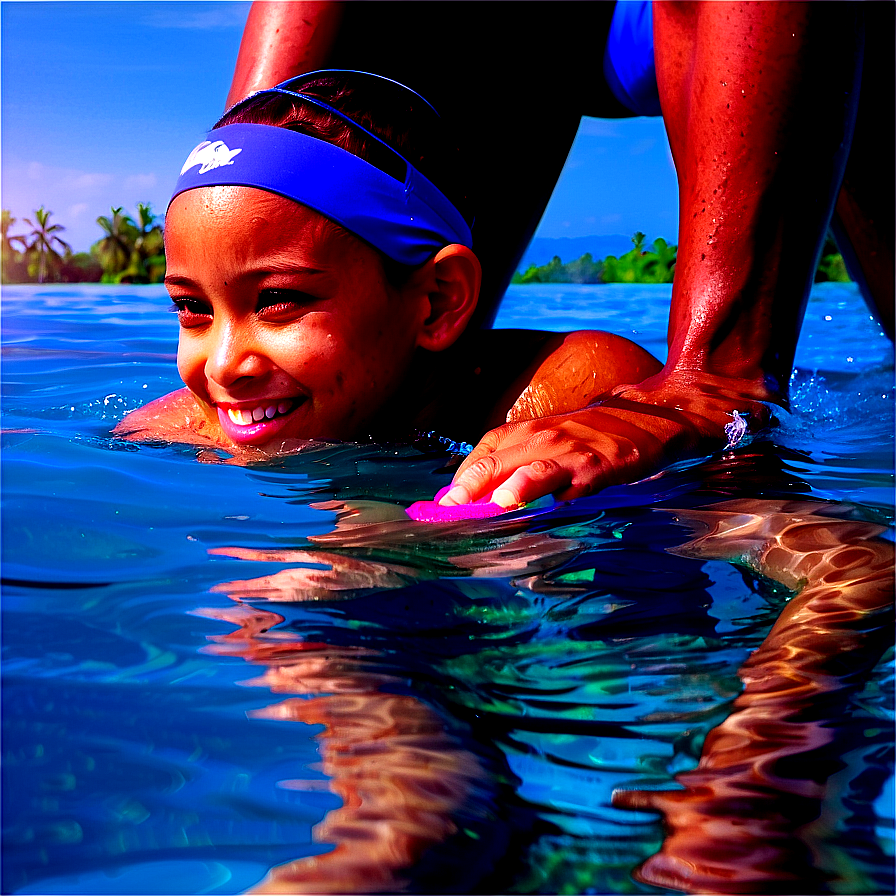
407	221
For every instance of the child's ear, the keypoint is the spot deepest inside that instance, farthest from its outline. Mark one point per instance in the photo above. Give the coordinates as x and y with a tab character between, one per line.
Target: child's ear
453	277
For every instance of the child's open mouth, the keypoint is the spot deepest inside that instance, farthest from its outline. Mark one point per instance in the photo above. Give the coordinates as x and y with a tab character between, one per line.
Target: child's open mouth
248	425
248	416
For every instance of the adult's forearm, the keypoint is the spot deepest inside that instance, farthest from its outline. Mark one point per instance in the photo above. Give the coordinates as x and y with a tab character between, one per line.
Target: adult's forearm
759	101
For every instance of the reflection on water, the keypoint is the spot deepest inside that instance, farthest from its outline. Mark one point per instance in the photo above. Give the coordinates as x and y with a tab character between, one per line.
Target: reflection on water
751	818
220	678
627	617
408	784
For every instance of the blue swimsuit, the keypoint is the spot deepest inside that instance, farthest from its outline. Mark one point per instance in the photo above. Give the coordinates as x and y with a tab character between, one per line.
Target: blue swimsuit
628	61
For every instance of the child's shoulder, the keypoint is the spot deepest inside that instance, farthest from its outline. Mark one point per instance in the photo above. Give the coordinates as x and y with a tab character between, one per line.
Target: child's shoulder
611	359
175	417
570	370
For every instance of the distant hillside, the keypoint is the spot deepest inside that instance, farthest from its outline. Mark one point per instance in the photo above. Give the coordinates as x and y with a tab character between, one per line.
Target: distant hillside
542	250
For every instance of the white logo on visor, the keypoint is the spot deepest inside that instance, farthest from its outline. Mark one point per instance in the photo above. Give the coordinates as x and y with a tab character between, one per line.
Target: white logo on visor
209	156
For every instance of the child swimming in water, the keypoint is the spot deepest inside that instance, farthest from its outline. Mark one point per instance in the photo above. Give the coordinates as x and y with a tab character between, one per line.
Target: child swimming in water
320	260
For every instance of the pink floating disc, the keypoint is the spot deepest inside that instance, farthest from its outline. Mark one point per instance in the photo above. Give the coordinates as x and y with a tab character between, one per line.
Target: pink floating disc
433	512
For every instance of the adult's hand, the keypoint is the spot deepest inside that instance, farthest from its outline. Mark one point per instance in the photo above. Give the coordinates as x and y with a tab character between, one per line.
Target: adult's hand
628	435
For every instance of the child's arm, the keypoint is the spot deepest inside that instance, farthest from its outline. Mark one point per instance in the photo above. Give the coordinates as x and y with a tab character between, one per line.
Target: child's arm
581	367
175	417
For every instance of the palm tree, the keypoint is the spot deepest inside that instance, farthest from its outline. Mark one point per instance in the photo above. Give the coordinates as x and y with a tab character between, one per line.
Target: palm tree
41	241
6	222
150	244
146	220
11	262
666	256
115	248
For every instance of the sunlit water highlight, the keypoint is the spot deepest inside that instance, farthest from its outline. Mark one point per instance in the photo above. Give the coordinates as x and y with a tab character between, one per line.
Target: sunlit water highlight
177	718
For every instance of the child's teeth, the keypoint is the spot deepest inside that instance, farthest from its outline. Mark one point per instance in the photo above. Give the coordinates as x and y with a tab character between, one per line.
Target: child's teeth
245	417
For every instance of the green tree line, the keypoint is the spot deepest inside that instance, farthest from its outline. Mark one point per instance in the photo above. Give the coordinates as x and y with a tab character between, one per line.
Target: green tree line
130	250
654	263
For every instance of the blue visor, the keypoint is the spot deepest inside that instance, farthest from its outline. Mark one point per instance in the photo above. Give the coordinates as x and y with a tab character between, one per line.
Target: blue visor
408	221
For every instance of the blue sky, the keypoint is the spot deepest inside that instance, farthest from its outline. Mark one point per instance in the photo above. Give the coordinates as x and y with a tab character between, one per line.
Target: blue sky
100	102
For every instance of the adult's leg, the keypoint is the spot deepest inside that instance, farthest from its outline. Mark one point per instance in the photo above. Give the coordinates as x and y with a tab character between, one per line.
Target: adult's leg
863	222
515	78
282	40
759	103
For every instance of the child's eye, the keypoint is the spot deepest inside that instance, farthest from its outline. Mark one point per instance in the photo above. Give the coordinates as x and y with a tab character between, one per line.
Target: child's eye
191	312
274	303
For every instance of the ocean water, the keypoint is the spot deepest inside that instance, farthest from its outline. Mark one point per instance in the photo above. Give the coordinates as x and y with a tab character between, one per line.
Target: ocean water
211	670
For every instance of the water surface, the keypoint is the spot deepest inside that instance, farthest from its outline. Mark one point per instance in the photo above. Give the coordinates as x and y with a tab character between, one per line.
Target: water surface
202	662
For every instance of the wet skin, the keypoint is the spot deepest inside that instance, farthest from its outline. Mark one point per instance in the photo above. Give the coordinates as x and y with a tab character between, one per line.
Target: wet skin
283	317
290	331
759	101
760	145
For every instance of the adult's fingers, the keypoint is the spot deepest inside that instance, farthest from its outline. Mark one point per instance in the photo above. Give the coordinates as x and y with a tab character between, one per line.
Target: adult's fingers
567	455
532	481
549	446
497	455
469	481
548	463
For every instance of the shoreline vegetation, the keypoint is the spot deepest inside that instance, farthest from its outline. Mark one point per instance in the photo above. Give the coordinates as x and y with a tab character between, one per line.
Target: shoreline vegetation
648	263
131	250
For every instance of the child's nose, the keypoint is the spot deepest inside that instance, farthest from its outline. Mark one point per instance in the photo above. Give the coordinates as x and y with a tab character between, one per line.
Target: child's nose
233	357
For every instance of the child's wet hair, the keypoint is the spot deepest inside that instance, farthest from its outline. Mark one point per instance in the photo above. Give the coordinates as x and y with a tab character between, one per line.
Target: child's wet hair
398	116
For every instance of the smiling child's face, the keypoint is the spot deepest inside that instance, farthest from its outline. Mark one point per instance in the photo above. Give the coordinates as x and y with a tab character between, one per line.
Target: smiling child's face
289	328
